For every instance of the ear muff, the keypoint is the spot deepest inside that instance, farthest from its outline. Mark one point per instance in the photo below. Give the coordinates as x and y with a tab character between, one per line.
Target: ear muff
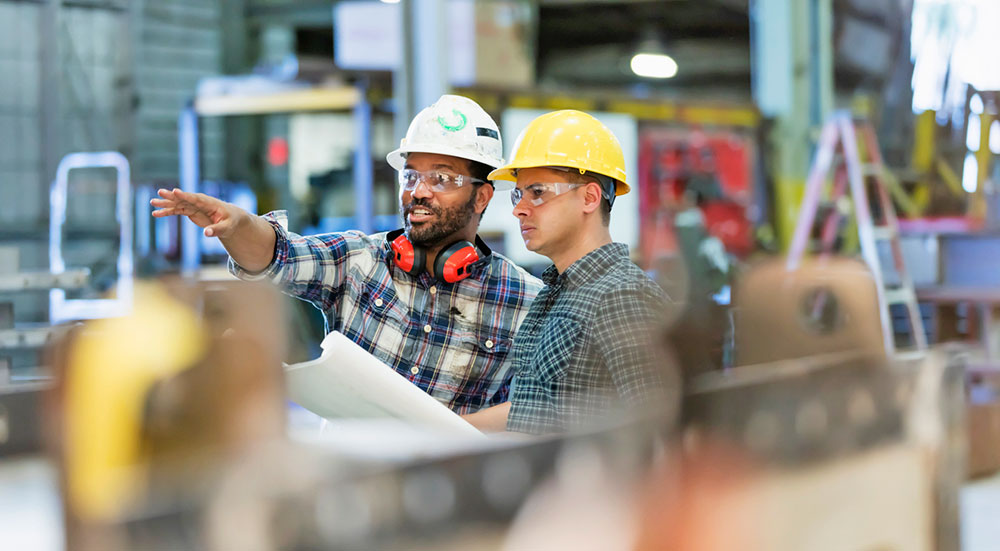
406	257
452	263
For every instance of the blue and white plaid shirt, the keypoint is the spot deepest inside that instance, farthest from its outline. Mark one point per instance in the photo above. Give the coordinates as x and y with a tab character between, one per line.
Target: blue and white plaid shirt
450	339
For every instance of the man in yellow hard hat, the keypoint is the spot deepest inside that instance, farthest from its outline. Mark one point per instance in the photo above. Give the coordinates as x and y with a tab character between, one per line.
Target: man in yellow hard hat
588	349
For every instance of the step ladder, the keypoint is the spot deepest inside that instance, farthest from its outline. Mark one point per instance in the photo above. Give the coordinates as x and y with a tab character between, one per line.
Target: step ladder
849	148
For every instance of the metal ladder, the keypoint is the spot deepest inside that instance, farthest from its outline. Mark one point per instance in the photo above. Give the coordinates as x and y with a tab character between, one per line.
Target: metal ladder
865	175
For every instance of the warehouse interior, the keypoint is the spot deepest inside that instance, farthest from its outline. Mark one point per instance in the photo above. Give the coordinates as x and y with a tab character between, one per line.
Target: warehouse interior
814	187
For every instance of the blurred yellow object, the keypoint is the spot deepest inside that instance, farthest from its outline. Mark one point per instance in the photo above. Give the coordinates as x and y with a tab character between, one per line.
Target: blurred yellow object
788	194
112	367
911	206
571	139
923	141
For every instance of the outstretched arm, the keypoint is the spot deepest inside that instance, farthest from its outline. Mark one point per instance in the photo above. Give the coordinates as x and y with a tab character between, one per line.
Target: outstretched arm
248	238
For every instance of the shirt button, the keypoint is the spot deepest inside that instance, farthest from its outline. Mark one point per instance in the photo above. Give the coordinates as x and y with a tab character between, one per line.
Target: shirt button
489	344
427	329
433	290
414	370
378	302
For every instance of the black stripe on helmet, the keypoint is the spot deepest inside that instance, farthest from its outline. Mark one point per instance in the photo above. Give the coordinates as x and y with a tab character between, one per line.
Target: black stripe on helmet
488	132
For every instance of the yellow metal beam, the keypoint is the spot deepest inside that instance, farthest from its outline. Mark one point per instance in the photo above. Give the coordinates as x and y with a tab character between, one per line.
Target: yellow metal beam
923	141
703	114
910	207
312	99
645	110
950	178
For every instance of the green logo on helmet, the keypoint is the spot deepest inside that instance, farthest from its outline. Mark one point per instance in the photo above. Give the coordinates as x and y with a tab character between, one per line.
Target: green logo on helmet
455	124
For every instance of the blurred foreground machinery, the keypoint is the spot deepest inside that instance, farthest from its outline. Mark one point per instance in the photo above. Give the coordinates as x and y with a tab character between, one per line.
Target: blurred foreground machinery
168	426
149	408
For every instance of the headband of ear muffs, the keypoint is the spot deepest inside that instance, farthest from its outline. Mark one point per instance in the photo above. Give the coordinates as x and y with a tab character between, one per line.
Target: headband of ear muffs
451	265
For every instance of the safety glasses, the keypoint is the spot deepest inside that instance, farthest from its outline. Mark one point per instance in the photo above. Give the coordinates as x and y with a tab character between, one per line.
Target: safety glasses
539	193
437	180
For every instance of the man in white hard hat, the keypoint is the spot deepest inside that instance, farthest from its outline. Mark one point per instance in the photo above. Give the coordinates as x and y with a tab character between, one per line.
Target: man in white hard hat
590	350
431	300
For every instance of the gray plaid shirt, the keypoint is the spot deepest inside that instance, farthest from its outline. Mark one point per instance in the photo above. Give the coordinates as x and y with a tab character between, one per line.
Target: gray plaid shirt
587	348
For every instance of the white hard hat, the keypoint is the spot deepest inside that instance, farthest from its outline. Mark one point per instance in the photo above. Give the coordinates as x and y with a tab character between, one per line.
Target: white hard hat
452	125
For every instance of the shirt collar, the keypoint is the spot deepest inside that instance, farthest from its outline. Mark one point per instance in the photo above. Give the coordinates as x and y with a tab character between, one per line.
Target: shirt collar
589	267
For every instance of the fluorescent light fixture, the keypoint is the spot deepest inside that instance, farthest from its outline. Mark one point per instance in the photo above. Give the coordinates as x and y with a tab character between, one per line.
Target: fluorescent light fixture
972	135
976	104
653	65
390	1
995	137
970	173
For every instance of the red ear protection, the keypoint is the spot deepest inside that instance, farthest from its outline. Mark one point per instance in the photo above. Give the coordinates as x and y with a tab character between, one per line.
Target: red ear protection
408	258
451	265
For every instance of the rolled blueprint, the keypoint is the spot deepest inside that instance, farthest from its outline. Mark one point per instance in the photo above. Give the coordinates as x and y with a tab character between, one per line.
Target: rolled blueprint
346	382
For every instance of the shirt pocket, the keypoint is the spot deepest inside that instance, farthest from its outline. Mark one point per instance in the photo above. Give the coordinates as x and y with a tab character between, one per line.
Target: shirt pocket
488	351
554	351
379	314
477	349
472	353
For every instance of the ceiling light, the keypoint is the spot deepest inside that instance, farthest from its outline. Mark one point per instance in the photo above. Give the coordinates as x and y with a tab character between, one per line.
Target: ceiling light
390	1
653	65
650	59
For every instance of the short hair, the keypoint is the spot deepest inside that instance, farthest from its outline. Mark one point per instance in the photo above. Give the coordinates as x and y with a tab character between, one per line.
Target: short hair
576	178
480	171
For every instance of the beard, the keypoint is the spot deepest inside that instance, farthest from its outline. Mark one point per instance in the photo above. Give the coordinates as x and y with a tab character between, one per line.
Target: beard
448	221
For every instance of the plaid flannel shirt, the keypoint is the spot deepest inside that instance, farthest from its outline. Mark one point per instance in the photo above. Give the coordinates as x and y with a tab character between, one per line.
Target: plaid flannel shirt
587	348
450	339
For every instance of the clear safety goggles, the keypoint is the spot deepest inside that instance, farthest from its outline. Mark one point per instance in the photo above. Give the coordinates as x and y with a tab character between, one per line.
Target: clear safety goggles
437	180
539	193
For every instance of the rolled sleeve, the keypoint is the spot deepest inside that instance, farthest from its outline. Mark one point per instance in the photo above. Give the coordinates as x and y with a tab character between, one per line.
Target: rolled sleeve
279	221
313	267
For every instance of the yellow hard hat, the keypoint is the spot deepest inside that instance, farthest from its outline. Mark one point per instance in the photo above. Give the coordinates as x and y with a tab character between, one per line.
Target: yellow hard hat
571	139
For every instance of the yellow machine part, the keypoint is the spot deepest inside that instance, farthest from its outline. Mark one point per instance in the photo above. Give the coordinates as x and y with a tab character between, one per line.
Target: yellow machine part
111	368
977	201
